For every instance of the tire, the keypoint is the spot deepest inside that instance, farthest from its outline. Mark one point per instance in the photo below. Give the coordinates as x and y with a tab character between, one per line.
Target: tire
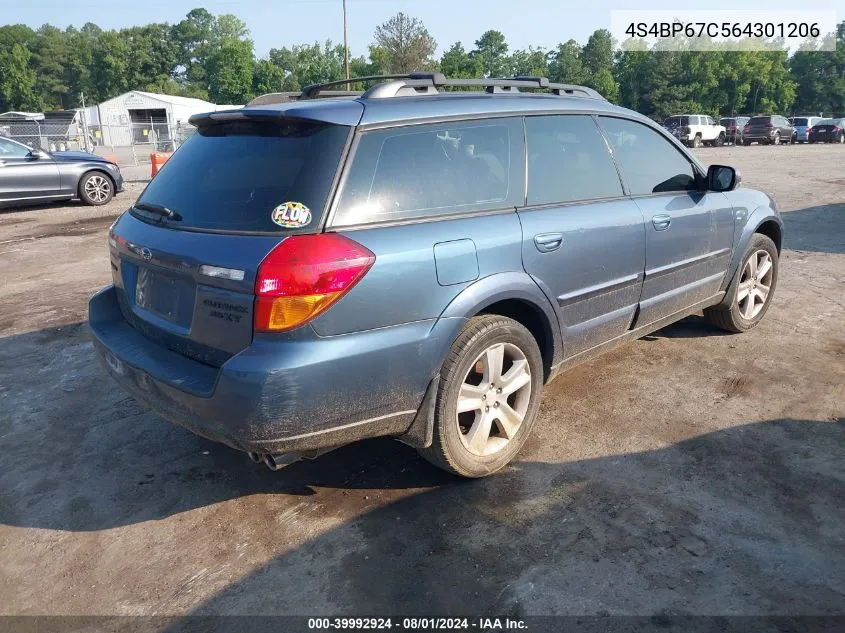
793	140
460	444
841	139
719	141
776	139
96	189
696	142
746	142
733	313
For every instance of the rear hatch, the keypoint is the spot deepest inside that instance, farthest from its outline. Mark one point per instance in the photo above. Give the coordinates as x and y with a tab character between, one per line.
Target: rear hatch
759	125
185	256
825	126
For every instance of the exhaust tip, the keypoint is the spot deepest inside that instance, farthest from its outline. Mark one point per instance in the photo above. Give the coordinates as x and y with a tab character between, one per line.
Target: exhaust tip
277	462
255	457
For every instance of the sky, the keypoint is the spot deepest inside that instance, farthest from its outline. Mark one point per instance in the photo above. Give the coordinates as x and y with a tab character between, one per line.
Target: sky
277	23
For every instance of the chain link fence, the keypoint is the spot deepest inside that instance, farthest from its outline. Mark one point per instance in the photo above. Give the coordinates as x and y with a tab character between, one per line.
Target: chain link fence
132	143
52	136
128	144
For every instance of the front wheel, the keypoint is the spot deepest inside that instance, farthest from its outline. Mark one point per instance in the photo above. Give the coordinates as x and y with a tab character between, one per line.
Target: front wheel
488	397
719	140
841	138
696	142
95	189
776	140
750	293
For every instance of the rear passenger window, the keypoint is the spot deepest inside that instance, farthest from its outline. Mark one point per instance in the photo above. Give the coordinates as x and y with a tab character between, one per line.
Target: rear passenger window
568	160
430	170
650	163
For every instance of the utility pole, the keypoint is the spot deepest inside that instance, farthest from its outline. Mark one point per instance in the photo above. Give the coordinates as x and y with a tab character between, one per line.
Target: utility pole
84	123
345	42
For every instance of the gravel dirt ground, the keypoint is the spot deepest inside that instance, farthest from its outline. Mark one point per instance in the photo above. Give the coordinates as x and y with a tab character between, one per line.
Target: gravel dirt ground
687	472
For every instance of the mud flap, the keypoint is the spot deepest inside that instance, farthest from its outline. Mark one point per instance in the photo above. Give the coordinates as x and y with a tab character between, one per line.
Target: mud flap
421	432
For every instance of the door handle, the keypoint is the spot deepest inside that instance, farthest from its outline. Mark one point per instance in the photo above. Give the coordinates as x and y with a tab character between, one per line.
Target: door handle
548	242
661	222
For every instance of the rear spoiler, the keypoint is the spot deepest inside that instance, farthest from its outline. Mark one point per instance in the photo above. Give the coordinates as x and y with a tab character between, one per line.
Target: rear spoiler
346	112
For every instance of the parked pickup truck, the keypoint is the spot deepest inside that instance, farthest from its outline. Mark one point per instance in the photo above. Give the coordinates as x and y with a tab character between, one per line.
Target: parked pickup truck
695	130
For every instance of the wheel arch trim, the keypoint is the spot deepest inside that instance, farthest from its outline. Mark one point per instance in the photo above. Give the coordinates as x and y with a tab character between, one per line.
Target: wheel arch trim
506	286
760	216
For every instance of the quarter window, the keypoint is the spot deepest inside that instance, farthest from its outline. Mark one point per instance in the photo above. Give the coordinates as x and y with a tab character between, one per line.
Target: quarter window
649	162
431	170
568	160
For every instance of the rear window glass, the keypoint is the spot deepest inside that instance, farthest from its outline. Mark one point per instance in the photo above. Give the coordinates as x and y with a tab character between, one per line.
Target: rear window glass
674	121
726	121
240	175
431	170
760	120
799	121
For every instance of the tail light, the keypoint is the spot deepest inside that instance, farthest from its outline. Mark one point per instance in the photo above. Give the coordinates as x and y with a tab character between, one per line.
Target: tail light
747	128
835	129
769	126
303	276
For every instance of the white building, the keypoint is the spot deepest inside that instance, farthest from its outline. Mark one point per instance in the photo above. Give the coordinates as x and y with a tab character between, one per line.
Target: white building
135	117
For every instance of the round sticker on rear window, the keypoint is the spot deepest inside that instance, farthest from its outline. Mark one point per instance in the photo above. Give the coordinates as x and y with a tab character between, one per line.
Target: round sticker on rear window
291	215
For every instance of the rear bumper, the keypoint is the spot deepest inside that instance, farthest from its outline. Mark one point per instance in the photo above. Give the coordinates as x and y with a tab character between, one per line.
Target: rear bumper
284	393
823	137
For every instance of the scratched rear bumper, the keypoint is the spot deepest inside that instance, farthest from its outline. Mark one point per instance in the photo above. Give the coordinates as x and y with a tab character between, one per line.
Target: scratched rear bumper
296	391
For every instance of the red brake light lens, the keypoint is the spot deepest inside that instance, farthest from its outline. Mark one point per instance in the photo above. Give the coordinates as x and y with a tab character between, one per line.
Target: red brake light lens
303	276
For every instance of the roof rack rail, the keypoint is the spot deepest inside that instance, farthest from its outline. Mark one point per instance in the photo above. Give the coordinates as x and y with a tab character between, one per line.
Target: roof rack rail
421	83
428	82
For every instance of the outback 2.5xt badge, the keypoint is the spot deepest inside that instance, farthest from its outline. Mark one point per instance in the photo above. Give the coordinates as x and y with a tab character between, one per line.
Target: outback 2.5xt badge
291	215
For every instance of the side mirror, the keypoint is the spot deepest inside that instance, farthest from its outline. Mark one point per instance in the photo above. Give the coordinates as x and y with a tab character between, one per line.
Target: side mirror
722	178
38	154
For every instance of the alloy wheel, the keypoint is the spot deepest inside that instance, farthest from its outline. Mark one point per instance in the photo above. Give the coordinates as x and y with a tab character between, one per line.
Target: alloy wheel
97	188
493	399
755	284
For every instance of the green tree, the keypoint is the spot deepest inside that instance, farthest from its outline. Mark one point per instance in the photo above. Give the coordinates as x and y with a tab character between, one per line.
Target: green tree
403	44
267	77
153	57
565	65
492	49
50	57
110	58
597	58
820	76
530	63
193	36
597	53
229	71
311	63
631	70
457	63
17	80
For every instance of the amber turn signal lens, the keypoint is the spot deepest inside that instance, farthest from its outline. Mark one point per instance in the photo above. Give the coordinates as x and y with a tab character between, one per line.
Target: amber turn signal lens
277	314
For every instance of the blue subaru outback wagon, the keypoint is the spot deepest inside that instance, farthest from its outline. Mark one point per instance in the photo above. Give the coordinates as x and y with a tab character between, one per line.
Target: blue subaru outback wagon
416	263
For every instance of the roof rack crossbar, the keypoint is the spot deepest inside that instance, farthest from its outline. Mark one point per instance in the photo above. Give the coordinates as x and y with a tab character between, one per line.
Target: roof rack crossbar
312	91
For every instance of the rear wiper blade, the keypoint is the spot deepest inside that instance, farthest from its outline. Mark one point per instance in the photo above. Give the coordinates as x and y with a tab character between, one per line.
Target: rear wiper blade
158	209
